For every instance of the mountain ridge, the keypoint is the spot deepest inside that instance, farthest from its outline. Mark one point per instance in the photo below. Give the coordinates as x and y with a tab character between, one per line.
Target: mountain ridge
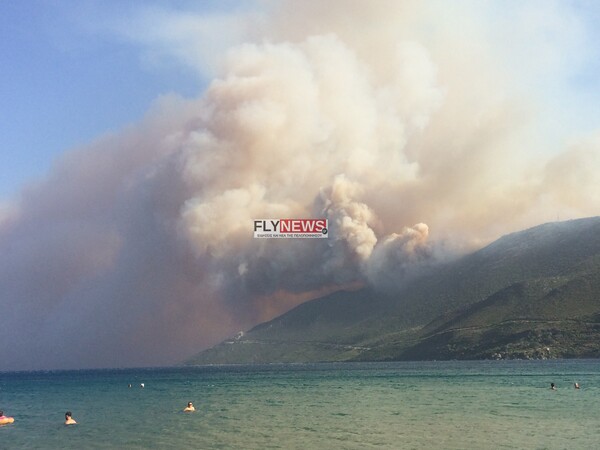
527	291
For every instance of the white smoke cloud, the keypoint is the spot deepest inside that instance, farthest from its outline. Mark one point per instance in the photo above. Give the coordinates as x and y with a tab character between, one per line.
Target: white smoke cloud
399	256
350	219
138	249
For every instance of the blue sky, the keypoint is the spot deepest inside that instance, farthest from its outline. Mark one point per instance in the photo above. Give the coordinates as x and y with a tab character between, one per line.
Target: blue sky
71	71
65	79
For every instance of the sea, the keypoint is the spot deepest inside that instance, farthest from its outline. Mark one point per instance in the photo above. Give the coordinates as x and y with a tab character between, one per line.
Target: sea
396	405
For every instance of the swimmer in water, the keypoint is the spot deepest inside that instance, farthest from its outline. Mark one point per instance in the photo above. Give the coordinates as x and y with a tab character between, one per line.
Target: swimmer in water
576	385
189	408
5	419
552	386
68	419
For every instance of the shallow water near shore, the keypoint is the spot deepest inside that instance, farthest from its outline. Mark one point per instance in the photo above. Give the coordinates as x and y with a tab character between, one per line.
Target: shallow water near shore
412	405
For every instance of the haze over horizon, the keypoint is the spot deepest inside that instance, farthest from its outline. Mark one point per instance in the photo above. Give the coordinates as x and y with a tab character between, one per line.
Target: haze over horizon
421	130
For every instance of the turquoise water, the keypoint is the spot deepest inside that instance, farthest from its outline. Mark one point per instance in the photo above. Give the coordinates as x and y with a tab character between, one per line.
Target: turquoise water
416	405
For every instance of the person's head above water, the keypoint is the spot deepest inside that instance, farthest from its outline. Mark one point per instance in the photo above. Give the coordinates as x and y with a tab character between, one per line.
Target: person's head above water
68	419
189	407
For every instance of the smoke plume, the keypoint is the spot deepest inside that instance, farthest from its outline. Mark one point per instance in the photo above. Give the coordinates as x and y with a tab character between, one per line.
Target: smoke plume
400	124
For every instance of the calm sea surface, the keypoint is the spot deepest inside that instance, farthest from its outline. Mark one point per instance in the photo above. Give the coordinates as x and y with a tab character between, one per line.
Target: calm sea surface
412	405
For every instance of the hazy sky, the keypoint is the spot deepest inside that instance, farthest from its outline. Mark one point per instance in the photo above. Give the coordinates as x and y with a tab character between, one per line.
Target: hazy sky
69	73
139	139
71	70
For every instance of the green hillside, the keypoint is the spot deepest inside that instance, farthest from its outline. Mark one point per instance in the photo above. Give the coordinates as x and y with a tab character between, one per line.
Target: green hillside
531	294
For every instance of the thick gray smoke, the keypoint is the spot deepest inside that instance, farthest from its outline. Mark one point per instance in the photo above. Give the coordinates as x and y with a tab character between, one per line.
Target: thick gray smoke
403	131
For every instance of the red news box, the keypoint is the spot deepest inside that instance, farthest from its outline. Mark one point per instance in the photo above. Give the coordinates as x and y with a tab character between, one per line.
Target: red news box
302	225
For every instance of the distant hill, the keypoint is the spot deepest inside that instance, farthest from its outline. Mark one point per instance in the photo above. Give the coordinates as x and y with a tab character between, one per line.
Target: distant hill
530	294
